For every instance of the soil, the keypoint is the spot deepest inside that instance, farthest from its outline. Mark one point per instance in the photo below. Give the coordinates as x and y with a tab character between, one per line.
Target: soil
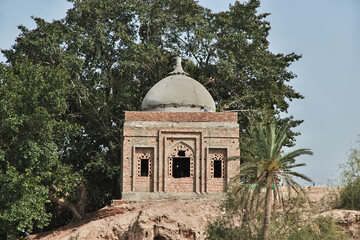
178	219
133	221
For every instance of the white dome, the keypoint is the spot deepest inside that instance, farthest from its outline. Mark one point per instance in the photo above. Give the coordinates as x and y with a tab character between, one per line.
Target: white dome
178	93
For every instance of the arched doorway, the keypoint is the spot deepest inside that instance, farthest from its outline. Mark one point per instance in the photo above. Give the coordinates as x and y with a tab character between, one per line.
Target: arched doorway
181	168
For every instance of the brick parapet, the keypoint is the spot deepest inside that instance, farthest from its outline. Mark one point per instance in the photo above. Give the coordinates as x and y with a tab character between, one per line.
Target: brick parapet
181	116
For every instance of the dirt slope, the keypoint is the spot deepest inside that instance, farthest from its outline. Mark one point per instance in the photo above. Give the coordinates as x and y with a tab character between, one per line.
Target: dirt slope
176	219
170	219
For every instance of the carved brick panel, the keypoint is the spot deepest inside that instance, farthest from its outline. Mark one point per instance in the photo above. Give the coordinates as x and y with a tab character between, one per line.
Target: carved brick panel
144	153
217	154
185	151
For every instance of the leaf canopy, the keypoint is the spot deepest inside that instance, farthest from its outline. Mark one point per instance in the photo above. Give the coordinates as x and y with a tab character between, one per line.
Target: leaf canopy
66	84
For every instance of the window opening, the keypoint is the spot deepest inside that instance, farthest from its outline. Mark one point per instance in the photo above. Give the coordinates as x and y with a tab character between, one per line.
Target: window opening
181	153
217	168
144	167
181	167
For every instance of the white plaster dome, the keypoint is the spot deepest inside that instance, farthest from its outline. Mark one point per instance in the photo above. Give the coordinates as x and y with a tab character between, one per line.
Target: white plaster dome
178	93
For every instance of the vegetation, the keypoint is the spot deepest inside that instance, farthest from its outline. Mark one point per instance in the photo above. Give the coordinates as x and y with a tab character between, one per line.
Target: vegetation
318	229
256	207
293	222
350	179
33	133
265	167
66	84
246	205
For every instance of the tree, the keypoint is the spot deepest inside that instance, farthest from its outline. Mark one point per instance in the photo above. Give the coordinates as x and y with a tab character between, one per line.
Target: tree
266	166
110	53
34	129
350	179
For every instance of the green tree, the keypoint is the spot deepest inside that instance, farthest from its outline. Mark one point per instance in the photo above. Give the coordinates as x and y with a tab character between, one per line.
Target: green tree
128	46
34	129
109	53
266	166
350	179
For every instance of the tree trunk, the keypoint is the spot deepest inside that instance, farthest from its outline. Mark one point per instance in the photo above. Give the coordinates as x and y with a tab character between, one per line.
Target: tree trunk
267	214
275	192
77	209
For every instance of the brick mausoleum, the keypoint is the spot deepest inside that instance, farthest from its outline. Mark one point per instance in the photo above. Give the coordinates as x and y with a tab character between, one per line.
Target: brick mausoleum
178	146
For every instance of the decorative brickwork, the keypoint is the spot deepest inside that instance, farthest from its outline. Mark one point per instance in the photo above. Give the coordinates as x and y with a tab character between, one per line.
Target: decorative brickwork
219	174
181	148
186	153
217	156
143	182
141	157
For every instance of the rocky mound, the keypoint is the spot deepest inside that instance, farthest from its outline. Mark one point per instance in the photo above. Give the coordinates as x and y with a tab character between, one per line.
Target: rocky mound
178	219
134	221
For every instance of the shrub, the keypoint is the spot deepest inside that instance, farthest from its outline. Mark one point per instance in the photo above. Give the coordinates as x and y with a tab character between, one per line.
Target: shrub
350	179
292	222
319	229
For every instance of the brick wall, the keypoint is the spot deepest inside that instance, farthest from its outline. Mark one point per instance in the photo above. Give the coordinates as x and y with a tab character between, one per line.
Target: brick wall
159	132
181	116
185	185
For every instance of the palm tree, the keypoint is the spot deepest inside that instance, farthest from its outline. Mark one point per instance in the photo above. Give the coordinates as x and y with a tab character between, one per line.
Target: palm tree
266	165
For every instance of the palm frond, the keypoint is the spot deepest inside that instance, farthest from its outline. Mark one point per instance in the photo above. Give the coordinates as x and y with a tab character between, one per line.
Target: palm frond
264	168
299	175
296	165
290	156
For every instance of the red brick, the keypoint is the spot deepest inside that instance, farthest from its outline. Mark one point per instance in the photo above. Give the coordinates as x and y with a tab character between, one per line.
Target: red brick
161	139
181	116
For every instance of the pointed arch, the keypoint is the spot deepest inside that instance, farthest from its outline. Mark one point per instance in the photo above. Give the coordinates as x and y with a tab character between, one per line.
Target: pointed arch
181	146
181	150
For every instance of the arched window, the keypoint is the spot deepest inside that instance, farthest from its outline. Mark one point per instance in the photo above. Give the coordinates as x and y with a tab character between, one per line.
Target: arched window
181	161
144	165
217	164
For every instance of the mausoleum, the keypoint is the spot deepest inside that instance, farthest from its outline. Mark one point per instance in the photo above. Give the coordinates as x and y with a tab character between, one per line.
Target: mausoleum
178	145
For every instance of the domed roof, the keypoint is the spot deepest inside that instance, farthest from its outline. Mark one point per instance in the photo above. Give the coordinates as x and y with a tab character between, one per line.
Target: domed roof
178	93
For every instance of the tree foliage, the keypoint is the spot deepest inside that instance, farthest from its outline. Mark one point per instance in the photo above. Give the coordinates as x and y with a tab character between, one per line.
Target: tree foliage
33	136
350	179
256	187
66	84
318	229
295	222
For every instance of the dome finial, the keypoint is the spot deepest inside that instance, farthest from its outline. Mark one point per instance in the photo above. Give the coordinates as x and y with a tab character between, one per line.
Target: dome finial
178	69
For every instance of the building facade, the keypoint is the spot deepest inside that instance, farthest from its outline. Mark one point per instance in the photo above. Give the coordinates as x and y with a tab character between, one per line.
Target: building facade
178	146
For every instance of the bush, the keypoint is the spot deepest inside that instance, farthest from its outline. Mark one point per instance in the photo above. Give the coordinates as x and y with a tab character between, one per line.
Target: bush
223	229
319	229
350	195
350	179
292	222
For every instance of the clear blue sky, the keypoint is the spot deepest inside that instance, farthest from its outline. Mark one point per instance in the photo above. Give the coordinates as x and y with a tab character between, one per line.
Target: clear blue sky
325	32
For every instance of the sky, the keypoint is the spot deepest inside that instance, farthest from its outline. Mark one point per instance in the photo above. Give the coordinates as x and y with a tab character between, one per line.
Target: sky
327	35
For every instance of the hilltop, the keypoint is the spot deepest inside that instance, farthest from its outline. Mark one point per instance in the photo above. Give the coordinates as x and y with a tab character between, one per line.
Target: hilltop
177	219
